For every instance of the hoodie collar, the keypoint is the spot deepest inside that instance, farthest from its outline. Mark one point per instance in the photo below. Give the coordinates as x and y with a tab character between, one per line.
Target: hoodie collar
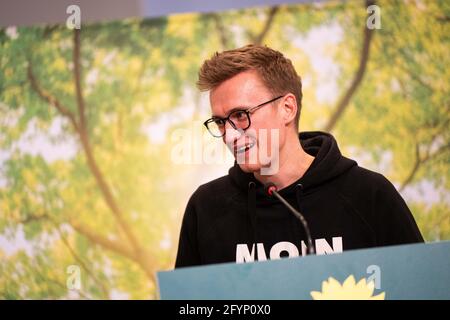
328	164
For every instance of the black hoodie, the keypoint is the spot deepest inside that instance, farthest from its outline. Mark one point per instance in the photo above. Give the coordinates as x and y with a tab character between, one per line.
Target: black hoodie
231	219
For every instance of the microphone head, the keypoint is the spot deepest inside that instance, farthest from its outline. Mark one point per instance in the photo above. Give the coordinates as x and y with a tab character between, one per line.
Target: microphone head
269	188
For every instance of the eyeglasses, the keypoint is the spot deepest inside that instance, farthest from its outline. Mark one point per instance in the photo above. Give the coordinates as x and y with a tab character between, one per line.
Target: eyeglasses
238	119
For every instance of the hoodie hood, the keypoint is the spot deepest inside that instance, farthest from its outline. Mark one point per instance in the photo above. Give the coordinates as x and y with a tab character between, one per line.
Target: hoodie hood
328	164
346	207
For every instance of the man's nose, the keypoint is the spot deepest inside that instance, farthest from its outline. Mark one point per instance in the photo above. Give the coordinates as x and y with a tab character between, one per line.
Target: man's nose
231	134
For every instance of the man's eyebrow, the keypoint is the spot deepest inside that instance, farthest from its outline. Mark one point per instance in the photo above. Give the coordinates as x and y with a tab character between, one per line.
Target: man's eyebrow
232	110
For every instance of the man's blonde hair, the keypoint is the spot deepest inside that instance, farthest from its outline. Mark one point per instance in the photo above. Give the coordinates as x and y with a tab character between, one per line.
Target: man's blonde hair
277	72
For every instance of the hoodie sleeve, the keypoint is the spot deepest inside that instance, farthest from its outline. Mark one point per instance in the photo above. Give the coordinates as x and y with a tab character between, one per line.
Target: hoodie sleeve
395	223
188	254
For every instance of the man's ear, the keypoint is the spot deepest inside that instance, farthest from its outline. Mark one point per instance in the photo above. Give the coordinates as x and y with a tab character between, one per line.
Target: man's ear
289	105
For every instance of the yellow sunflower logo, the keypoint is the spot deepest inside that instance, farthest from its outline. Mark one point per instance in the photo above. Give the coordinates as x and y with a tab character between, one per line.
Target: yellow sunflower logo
349	290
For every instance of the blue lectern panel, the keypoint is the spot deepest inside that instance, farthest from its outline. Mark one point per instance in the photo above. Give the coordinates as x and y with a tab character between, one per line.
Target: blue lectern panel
418	271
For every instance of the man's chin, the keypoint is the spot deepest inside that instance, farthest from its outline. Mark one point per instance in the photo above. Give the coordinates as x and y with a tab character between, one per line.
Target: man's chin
250	168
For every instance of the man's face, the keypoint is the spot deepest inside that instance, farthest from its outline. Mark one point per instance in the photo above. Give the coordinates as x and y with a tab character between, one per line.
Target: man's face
257	146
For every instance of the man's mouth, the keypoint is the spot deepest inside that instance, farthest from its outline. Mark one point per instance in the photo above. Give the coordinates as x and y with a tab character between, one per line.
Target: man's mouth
244	148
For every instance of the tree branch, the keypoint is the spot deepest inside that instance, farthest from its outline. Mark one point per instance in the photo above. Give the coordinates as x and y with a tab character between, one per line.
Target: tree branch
137	252
443	18
345	99
77	76
92	163
84	230
46	96
33	218
111	245
82	263
144	258
45	216
414	169
270	17
414	76
221	29
421	161
44	278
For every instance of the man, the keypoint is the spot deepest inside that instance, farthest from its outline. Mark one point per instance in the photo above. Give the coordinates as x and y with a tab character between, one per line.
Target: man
254	92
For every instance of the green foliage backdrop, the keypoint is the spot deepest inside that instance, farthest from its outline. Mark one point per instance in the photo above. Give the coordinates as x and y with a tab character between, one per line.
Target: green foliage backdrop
87	176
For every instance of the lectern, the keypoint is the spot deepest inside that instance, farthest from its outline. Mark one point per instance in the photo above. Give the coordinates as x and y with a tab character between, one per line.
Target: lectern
414	271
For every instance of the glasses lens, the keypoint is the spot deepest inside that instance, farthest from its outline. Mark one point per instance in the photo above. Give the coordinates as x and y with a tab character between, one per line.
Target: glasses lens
216	127
240	119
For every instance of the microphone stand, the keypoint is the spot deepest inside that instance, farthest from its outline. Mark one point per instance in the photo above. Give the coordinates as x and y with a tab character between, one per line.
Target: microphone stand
272	191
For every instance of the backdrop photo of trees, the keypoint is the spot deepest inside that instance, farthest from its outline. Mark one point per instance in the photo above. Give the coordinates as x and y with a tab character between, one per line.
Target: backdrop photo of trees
88	116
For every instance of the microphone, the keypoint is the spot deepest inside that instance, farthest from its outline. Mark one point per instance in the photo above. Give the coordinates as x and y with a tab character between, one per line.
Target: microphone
272	190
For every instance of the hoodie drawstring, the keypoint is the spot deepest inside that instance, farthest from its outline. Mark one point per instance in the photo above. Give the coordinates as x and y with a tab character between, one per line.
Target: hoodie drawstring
298	193
251	208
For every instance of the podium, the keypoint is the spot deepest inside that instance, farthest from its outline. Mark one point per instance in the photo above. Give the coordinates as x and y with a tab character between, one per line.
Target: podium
413	271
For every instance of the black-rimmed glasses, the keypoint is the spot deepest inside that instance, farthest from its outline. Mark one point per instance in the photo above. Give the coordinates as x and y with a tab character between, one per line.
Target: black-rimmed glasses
238	119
